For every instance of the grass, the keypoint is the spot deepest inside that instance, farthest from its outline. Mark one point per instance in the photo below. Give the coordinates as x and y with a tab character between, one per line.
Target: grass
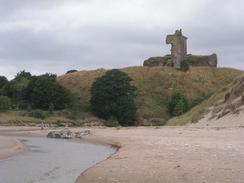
58	118
218	103
155	85
17	118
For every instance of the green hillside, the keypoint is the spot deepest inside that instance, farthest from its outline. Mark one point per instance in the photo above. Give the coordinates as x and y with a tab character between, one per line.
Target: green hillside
155	85
226	100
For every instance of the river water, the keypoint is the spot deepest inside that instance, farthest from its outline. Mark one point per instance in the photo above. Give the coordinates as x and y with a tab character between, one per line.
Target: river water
51	161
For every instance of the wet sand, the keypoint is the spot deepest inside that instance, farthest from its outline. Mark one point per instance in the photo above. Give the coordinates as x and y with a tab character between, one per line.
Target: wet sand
10	146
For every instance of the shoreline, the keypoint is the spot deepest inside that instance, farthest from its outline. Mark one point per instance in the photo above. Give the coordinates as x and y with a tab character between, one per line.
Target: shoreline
115	146
11	133
11	146
165	154
137	161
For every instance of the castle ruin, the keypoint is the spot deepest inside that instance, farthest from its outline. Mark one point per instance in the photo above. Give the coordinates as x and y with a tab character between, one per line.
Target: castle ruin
178	47
179	54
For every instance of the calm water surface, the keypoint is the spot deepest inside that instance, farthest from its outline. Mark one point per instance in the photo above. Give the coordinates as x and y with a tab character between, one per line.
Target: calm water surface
51	161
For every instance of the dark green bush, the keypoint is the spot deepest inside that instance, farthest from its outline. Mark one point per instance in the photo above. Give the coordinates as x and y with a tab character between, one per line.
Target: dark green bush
111	123
45	90
39	114
5	103
15	90
112	96
23	75
3	81
71	71
177	104
184	66
51	108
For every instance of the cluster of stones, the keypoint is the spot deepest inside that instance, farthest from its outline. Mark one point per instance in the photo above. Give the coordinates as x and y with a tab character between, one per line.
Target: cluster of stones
179	54
67	134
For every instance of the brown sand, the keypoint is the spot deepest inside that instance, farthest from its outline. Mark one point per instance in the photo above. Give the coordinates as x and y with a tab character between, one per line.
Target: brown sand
10	146
171	155
198	153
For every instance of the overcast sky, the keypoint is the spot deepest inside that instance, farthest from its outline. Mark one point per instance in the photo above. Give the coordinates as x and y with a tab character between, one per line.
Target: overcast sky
58	35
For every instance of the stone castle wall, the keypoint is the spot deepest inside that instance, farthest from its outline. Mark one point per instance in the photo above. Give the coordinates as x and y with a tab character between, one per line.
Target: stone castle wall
192	60
179	54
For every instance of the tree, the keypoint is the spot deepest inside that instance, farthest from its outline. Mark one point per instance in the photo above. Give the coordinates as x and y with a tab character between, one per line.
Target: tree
16	87
112	96
44	91
3	81
177	104
39	114
5	103
15	90
23	75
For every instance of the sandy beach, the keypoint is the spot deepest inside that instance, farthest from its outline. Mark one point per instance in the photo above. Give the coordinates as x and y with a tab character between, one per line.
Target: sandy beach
193	153
10	146
171	155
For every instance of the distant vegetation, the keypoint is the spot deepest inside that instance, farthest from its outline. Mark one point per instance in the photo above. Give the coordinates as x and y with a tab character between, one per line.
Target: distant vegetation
39	114
155	86
226	100
75	99
177	104
3	81
44	92
113	97
71	71
5	103
36	92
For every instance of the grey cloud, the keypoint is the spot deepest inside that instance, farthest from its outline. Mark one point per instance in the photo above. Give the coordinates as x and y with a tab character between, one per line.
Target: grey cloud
214	28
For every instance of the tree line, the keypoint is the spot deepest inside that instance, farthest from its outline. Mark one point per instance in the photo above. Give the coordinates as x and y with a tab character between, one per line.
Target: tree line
112	96
34	92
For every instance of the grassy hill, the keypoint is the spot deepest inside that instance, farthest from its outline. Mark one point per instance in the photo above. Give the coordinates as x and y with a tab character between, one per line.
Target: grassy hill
227	100
155	85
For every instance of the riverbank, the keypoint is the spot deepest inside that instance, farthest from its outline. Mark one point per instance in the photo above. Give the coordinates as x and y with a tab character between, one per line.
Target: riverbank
10	146
166	154
171	154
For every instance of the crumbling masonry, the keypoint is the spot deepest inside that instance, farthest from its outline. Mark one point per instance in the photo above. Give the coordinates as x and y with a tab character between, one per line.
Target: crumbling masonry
179	54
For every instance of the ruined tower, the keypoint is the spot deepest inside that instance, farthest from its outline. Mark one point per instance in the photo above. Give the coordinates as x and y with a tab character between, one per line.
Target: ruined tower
178	47
179	53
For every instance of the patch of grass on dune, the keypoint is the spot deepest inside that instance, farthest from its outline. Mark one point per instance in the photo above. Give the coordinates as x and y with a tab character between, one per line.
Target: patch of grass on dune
215	103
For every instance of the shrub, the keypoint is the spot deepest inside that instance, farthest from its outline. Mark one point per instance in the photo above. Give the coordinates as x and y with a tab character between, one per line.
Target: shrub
111	123
15	90
51	108
39	114
23	75
3	81
45	90
5	103
112	96
177	104
71	71
73	111
184	66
